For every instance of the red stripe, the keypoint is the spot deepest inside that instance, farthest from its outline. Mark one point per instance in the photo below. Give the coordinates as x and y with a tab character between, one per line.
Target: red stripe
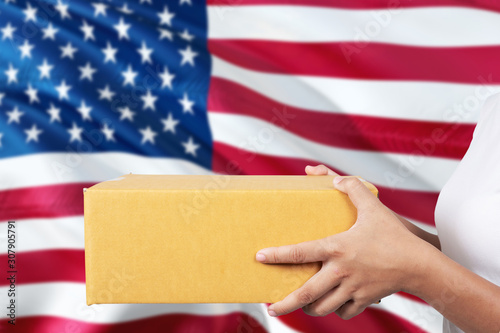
372	61
177	322
418	205
344	130
365	4
42	201
371	320
66	265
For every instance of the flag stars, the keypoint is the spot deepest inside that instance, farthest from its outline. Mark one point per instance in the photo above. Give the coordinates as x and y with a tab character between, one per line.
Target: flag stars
109	53
99	9
126	113
108	132
11	74
149	101
166	78
125	10
30	13
45	69
188	56
8	32
186	35
169	123
146	1
190	147
49	32
166	17
54	113
87	72
122	29
62	8
145	53
26	49
164	33
187	104
84	111
63	90
1	135
106	93
129	76
75	133
14	116
68	51
32	133
185	1
88	31
2	95
32	94
148	135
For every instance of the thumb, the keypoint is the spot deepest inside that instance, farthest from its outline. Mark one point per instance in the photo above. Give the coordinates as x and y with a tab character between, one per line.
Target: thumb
359	194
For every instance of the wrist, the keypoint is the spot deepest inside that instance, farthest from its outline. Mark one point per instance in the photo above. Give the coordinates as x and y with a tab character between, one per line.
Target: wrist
424	270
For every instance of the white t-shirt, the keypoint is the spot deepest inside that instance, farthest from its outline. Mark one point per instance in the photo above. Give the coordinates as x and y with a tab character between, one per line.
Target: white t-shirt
467	213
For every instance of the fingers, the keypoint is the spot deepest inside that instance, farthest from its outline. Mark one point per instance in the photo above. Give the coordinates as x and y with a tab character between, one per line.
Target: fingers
319	170
310	251
313	289
350	309
359	194
328	303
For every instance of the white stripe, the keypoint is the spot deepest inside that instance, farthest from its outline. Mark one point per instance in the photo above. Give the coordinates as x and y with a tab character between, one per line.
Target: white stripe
59	168
428	26
251	134
67	300
419	314
394	99
44	234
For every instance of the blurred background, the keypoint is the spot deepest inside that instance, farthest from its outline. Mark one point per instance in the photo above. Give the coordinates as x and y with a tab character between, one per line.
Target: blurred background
386	90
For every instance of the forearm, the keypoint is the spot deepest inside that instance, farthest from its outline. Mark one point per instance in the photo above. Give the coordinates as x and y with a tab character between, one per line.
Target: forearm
466	299
420	233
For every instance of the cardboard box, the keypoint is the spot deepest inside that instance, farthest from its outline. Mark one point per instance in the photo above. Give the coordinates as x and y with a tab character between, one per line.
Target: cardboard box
193	239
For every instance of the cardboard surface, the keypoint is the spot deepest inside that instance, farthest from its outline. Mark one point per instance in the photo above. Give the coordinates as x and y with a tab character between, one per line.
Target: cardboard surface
193	239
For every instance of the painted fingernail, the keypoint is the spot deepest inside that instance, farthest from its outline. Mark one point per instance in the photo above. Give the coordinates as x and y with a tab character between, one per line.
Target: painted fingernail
272	313
337	179
260	257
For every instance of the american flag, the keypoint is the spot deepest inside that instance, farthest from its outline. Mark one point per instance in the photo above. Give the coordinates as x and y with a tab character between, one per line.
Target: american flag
387	90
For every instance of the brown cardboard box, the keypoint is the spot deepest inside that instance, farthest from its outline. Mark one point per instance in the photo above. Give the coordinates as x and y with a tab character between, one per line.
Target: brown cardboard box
193	239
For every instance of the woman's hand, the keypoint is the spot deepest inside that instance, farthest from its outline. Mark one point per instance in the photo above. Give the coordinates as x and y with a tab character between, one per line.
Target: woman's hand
320	170
375	258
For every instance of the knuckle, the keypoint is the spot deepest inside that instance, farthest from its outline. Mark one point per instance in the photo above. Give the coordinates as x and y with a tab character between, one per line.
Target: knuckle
339	272
314	310
274	255
354	184
321	312
305	297
297	254
332	249
342	313
346	316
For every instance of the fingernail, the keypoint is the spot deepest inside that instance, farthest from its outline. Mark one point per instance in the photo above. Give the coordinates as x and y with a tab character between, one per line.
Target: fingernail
272	313
260	257
337	179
